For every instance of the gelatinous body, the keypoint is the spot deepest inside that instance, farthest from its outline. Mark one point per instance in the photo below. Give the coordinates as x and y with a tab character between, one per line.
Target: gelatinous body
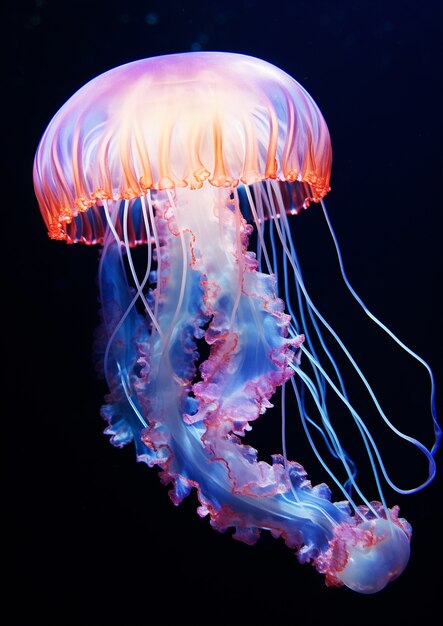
200	158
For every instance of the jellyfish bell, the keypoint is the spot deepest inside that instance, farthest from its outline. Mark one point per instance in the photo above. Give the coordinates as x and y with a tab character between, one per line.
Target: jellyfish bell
193	157
172	122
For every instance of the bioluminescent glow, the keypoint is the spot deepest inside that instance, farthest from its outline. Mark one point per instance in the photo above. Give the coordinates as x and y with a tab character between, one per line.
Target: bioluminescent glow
204	159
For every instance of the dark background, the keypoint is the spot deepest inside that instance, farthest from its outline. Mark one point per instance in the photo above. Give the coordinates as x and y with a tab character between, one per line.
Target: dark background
93	537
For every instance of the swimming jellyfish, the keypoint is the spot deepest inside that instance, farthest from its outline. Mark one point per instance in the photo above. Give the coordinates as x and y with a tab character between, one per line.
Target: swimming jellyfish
199	160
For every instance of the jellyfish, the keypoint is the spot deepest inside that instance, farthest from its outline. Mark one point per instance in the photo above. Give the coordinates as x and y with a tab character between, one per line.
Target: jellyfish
188	171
